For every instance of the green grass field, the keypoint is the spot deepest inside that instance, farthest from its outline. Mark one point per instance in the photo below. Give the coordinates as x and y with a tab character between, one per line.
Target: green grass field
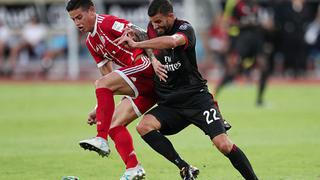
41	124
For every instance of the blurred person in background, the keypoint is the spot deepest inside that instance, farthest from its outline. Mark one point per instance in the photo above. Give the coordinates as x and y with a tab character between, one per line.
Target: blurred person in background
312	38
206	14
56	47
33	38
291	20
246	37
4	45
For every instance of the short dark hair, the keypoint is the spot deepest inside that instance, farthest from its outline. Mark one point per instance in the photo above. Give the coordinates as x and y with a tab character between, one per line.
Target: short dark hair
160	6
75	4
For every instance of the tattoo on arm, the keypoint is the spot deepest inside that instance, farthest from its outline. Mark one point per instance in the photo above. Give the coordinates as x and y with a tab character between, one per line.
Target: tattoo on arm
142	35
139	33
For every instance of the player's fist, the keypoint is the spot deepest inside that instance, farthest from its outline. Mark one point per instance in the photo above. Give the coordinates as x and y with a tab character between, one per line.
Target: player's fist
92	117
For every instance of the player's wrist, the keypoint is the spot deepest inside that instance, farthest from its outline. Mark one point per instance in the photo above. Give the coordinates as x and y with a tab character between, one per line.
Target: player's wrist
153	59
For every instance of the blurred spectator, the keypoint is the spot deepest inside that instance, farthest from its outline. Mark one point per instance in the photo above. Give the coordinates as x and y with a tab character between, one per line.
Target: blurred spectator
32	43
312	38
4	45
206	12
291	19
56	47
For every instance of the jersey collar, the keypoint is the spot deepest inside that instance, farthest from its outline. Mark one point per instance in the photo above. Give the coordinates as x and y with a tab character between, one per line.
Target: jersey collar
95	27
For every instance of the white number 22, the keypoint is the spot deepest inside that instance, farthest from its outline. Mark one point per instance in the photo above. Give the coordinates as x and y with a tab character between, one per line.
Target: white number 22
214	115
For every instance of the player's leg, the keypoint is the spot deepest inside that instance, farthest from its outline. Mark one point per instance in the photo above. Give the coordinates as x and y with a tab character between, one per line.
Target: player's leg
106	87
261	53
238	159
264	74
230	71
123	115
154	125
208	118
131	80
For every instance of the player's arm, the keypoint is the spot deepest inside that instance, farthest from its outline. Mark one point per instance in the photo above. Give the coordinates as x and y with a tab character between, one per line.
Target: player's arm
140	34
162	42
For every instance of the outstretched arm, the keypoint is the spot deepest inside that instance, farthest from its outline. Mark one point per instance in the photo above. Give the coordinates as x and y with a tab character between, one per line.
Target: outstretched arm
162	42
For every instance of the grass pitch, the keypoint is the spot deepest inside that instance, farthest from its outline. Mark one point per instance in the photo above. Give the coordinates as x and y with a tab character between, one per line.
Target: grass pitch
41	124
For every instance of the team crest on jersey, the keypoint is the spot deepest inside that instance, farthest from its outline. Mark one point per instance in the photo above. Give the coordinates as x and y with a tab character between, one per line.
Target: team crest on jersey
183	27
118	26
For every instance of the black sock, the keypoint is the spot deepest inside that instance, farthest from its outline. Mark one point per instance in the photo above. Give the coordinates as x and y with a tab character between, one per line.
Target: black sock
163	146
262	86
241	163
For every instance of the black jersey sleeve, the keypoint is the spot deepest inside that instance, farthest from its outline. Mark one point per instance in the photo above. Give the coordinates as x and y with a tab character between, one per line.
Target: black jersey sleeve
188	32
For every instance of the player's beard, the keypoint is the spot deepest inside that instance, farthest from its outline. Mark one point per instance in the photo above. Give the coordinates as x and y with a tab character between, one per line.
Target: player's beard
162	31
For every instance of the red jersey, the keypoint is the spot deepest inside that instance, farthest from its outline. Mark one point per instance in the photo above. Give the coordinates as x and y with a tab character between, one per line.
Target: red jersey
100	43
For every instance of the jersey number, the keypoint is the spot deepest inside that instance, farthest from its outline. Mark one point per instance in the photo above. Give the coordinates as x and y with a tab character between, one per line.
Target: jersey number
214	115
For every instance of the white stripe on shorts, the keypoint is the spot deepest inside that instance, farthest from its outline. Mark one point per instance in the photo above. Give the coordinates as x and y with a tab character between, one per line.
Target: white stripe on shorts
130	83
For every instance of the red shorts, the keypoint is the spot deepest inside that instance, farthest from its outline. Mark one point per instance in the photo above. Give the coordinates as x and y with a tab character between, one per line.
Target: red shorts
139	76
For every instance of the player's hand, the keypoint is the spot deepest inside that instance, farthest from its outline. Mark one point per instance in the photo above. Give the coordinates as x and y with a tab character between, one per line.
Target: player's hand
126	40
92	117
160	70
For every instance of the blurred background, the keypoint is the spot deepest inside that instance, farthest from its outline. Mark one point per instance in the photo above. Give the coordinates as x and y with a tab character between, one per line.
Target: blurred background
39	41
47	75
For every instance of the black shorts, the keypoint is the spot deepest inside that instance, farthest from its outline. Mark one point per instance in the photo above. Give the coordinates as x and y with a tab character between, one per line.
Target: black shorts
205	116
248	44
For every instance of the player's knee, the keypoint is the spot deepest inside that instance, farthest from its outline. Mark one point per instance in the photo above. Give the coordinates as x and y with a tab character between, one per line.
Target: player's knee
97	83
101	83
145	126
225	147
142	128
223	144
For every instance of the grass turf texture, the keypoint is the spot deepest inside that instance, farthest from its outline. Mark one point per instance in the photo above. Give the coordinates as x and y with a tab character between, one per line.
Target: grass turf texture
41	124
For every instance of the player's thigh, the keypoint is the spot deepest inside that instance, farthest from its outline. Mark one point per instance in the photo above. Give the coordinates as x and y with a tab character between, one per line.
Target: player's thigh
124	113
170	119
116	83
142	104
130	109
139	77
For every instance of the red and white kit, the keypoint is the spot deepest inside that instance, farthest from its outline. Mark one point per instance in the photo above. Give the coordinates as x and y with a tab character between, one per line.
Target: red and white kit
138	73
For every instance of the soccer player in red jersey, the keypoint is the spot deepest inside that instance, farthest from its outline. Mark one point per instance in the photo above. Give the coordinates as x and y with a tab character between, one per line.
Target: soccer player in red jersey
134	79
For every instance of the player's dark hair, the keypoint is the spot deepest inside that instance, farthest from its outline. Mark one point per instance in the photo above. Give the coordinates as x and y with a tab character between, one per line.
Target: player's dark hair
160	6
75	4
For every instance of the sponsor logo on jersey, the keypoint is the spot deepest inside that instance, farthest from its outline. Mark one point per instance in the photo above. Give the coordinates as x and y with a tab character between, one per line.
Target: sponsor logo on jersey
169	66
118	26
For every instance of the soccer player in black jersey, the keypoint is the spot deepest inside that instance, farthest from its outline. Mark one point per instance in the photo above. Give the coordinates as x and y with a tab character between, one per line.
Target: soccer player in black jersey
184	98
248	47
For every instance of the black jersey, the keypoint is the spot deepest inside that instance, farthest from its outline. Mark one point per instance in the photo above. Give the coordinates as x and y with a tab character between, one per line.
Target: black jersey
245	15
184	79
